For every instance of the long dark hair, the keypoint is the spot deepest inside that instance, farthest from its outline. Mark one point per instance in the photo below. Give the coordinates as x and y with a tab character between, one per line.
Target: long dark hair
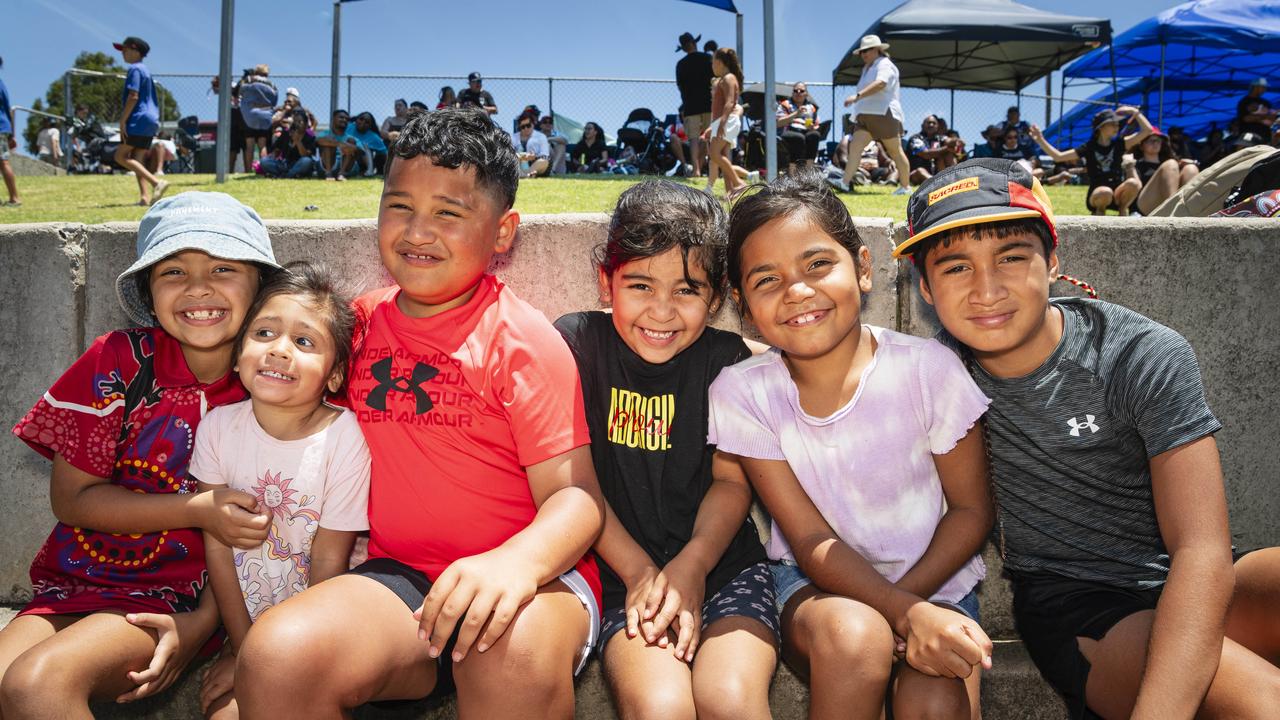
729	57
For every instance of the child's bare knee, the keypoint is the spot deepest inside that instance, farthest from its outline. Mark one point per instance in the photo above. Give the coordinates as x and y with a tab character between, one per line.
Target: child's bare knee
932	699
843	636
659	703
31	681
729	696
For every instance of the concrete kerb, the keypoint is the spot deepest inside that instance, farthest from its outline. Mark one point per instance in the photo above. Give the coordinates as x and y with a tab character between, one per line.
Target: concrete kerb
61	294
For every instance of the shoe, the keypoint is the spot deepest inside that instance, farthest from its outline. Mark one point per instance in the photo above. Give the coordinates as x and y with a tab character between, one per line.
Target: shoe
709	189
753	176
901	191
675	169
13	203
838	184
161	187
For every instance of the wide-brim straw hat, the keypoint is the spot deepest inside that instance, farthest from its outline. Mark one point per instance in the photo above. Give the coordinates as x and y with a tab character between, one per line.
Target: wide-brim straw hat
871	41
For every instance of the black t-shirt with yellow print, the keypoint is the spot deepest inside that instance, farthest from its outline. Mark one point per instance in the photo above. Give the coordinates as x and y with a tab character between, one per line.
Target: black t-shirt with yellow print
649	441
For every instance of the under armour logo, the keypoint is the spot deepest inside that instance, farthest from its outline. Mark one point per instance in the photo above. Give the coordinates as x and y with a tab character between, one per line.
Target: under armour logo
1077	426
422	372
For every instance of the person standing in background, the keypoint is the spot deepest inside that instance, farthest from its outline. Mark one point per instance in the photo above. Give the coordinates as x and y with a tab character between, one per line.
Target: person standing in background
693	78
139	120
879	112
7	143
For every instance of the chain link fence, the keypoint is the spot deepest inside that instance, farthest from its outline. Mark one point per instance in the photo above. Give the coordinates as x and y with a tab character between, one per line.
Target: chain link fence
575	100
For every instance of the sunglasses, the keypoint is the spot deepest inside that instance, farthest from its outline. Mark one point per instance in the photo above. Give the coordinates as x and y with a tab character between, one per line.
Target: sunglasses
524	126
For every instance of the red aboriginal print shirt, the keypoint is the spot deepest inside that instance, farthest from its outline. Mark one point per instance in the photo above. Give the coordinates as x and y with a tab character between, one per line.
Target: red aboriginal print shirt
127	410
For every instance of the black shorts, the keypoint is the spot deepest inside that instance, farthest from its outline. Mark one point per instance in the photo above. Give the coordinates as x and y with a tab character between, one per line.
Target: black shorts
141	142
1051	611
749	594
255	134
412	587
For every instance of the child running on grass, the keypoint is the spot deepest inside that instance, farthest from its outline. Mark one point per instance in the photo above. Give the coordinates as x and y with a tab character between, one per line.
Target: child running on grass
863	445
683	569
1112	510
304	460
118	583
483	501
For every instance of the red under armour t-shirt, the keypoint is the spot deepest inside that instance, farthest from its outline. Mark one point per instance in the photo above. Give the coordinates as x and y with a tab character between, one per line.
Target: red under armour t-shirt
454	407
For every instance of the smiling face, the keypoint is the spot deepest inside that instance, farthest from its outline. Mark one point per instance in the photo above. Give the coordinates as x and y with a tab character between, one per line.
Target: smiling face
340	120
802	288
437	232
200	301
287	358
656	312
992	294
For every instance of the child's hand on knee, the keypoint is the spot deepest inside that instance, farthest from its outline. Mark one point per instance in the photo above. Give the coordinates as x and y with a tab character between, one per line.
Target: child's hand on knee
482	592
218	679
639	588
677	598
178	637
233	517
943	642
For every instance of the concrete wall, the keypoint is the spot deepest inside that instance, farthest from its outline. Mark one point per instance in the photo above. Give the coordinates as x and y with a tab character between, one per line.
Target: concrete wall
1210	279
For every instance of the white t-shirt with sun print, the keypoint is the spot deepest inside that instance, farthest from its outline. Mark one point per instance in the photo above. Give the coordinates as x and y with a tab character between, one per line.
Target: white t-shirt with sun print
318	481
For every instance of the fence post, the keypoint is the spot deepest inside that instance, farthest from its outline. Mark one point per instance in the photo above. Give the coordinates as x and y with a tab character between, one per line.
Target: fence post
68	111
348	93
337	43
222	146
551	97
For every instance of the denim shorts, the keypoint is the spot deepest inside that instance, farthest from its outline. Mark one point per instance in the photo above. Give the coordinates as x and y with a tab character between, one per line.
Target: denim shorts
788	579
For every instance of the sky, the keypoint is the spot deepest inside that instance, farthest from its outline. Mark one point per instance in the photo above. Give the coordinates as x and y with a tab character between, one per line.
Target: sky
39	39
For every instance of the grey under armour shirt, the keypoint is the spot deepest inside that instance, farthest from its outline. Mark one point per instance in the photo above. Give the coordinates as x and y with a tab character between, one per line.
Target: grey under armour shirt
1071	444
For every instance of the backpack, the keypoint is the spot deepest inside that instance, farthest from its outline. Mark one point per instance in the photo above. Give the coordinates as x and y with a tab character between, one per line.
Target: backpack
1264	176
1206	192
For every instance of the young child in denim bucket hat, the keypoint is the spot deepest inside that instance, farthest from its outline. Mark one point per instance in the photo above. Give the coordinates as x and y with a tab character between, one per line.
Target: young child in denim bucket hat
117	610
1112	513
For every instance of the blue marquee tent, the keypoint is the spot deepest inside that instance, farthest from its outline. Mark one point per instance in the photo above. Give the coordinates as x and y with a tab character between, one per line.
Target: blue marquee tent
1192	104
1231	40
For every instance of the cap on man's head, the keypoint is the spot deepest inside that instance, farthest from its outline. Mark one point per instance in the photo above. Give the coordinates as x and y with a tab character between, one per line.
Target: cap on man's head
293	91
136	43
213	223
974	192
686	38
1258	82
1103	117
474	77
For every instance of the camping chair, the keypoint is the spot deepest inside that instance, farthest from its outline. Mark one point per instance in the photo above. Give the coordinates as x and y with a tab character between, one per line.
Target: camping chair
184	137
646	136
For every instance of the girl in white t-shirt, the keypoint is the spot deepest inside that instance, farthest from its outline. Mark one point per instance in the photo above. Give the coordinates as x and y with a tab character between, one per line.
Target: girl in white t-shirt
863	444
305	460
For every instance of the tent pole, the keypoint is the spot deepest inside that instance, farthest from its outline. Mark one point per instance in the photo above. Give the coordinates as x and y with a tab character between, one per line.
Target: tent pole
741	59
222	147
770	119
835	112
1115	92
951	117
1048	99
337	46
1160	114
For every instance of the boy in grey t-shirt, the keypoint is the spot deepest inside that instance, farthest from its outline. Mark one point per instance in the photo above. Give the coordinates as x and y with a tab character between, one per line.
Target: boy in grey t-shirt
1112	514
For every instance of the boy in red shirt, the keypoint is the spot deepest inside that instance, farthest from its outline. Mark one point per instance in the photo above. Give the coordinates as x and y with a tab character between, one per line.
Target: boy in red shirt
483	500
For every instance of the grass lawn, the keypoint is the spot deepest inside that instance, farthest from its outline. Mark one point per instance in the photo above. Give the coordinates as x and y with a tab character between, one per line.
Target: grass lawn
104	198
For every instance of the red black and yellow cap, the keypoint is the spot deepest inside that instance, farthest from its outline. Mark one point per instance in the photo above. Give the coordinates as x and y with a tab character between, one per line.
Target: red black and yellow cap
982	190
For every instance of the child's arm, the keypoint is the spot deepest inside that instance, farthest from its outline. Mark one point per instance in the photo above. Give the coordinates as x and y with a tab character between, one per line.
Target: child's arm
1059	156
330	554
129	103
224	584
498	582
1190	618
939	641
682	583
964	527
635	569
80	499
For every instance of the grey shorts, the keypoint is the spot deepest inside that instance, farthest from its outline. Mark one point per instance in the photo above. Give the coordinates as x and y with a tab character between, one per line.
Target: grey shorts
788	579
4	147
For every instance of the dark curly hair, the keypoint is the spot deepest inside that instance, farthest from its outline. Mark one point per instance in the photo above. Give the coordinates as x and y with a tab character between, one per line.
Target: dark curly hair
658	215
322	289
802	192
463	137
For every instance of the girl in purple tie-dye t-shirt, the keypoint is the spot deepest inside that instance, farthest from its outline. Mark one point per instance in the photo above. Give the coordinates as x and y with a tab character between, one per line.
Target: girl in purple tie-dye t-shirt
864	445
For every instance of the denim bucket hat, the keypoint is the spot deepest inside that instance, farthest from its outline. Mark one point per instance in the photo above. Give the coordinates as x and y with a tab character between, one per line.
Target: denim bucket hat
213	223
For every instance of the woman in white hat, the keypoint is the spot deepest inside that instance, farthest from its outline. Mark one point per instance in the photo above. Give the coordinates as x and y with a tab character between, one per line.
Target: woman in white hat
878	113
